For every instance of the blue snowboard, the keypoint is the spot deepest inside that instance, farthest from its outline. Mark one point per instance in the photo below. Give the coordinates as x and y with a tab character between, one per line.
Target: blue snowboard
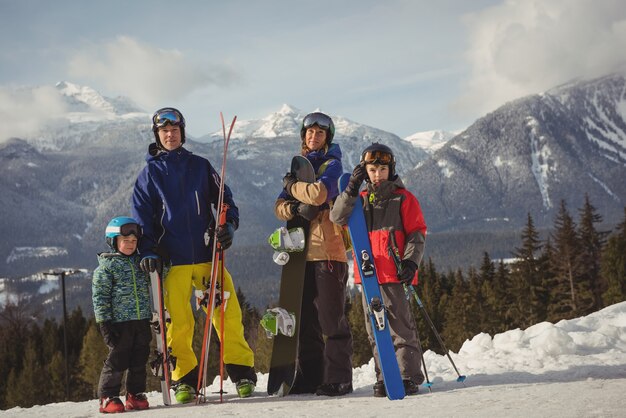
376	309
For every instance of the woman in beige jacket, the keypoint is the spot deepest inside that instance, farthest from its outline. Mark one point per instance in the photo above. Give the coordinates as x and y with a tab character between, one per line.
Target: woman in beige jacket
325	367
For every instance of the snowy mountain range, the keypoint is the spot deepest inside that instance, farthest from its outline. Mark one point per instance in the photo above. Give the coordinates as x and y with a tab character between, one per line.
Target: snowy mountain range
60	186
528	155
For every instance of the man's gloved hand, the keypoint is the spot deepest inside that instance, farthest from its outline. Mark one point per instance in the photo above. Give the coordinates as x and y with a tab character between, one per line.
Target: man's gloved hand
356	178
407	271
288	181
308	212
225	234
109	333
151	264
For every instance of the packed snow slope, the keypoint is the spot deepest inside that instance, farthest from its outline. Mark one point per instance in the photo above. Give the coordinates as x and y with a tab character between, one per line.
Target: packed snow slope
574	368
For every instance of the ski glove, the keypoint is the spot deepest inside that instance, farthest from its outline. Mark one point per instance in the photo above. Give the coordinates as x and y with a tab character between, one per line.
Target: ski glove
357	177
151	264
225	234
109	333
407	271
288	181
308	212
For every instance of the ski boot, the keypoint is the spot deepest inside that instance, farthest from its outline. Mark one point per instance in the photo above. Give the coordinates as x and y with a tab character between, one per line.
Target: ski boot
111	405
136	402
184	393
245	388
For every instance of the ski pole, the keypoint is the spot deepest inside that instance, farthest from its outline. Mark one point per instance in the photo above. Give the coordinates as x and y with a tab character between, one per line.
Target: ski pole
461	378
428	383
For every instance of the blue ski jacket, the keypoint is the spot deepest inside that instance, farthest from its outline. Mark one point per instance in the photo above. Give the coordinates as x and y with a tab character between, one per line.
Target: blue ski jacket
120	290
172	202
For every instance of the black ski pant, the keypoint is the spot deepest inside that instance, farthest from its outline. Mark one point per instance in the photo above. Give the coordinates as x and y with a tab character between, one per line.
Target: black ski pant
403	333
323	314
129	352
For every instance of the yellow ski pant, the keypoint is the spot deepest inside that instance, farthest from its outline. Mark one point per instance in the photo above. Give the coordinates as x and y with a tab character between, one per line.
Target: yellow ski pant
178	289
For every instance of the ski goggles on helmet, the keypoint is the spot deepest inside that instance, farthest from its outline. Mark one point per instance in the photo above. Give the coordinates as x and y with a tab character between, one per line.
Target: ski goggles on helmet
161	119
377	157
125	230
318	119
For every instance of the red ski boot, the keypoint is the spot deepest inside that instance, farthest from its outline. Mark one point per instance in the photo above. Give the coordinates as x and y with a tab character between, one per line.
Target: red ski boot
136	402
111	405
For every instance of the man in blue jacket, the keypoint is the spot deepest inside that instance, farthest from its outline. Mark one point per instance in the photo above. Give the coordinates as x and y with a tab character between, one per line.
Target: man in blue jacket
172	202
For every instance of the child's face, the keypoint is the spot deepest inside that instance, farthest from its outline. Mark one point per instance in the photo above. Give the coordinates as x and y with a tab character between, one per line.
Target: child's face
126	245
377	173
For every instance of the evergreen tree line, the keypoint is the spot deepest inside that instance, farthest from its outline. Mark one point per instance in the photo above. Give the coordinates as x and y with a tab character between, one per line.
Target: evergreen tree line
576	270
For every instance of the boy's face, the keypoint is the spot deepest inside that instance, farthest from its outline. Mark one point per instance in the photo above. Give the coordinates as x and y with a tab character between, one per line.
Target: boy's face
126	245
377	173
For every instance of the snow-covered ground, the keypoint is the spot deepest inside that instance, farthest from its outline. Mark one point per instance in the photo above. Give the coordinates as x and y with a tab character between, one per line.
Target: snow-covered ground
574	368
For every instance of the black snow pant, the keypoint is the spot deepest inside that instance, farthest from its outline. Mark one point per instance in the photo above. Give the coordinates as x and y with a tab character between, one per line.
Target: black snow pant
130	352
403	333
323	314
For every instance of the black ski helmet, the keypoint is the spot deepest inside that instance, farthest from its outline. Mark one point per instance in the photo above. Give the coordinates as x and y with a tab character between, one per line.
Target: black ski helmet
378	153
323	121
165	116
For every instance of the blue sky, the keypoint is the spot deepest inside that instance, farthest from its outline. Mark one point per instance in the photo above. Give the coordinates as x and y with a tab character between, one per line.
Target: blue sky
402	66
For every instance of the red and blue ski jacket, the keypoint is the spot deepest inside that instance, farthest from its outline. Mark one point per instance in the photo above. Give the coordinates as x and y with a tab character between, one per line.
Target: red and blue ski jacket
390	209
172	202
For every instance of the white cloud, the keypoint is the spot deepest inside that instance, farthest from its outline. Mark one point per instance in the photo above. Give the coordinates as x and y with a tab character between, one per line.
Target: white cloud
25	110
147	74
522	47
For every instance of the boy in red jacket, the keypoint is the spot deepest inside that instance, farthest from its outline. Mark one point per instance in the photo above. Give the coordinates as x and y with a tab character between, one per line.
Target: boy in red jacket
396	229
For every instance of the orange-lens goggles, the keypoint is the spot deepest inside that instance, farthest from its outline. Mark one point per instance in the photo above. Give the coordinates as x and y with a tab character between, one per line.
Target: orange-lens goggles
377	157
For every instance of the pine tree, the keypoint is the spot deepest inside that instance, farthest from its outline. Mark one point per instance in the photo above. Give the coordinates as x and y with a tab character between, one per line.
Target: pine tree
91	358
566	295
614	265
592	242
458	323
526	285
31	376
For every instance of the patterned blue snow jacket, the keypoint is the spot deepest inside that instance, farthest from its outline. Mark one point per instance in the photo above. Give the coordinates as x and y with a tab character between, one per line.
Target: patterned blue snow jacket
331	173
120	289
172	202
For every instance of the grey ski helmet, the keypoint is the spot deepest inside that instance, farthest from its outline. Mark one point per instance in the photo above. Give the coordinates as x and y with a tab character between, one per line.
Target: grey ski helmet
323	121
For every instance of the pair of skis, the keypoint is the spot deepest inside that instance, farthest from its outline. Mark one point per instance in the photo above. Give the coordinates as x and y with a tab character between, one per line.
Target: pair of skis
211	292
164	362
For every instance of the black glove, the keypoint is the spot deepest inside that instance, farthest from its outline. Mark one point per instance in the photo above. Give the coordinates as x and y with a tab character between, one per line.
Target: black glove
358	175
225	234
308	212
109	333
407	271
288	181
151	264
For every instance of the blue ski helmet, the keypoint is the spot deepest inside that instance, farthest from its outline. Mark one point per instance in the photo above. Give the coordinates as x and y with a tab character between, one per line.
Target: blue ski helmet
323	121
122	225
165	116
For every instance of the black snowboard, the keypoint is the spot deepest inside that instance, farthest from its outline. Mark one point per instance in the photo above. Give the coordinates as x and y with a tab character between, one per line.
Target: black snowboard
283	366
